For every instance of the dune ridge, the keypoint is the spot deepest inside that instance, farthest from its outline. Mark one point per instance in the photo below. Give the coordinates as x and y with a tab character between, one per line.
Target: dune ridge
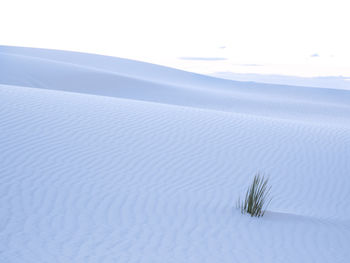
116	77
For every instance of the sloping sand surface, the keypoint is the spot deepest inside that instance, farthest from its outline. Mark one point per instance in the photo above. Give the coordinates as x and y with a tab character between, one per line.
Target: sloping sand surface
111	160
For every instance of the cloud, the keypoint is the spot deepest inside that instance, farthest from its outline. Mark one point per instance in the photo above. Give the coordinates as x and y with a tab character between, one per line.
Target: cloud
203	58
250	65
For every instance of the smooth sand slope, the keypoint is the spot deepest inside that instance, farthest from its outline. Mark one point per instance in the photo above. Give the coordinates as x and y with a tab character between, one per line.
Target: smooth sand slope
150	171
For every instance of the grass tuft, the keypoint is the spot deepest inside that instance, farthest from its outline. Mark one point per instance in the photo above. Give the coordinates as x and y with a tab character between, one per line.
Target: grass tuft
255	202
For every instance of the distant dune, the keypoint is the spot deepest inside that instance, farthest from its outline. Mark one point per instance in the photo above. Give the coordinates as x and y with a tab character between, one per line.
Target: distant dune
112	160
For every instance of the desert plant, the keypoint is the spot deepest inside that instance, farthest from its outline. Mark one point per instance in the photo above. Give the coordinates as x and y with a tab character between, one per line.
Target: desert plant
255	201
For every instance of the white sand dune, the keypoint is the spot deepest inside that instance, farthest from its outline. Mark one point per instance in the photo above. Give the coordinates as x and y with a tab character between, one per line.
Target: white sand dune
111	160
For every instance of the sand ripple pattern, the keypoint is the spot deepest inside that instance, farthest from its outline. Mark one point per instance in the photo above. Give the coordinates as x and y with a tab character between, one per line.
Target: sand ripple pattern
86	178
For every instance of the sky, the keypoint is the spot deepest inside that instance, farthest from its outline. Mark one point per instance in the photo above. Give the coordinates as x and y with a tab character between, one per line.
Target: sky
283	37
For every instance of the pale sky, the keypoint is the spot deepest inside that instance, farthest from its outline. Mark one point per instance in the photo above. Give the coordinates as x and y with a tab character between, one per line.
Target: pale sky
291	37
